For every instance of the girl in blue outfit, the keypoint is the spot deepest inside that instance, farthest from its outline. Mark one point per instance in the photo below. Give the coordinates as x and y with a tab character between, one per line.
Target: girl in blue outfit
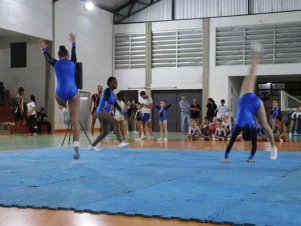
66	89
249	107
163	120
104	114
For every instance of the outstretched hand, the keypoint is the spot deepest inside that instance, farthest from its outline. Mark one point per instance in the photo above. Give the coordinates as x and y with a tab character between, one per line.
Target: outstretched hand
72	37
42	44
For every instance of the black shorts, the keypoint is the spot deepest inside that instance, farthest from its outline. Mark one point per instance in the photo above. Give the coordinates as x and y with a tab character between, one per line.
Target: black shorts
19	116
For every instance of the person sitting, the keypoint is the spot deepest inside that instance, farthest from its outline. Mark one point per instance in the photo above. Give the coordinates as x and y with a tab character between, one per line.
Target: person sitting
295	121
280	130
32	116
260	133
42	120
213	126
193	131
205	129
2	94
220	132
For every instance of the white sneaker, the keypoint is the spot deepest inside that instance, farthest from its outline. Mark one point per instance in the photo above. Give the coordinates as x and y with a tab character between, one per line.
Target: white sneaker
66	114
290	134
91	138
295	133
274	153
165	139
280	140
138	139
143	137
123	145
159	139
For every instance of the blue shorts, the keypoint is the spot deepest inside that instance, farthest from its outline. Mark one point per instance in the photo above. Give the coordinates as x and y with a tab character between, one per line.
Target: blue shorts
146	117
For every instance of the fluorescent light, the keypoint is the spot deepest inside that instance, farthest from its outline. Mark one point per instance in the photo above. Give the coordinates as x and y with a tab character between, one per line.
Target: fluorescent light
89	5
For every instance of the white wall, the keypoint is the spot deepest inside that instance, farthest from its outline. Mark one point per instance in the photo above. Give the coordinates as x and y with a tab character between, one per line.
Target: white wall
94	31
31	78
219	75
30	17
129	78
184	77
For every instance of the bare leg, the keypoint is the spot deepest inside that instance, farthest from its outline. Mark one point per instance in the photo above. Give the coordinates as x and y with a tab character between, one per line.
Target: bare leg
74	105
291	126
139	127
93	124
149	127
165	128
161	129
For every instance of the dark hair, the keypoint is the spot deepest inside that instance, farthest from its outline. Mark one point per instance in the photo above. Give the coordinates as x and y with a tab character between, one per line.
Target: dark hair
247	133
110	79
138	103
1	83
119	95
63	52
142	93
163	101
223	101
32	98
210	99
206	118
42	109
20	90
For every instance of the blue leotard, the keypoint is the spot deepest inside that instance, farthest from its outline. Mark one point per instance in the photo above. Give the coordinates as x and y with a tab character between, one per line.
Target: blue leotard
248	106
276	112
163	112
106	101
65	75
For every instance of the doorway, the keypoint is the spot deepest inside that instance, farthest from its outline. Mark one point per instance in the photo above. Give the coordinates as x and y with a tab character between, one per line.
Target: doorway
172	97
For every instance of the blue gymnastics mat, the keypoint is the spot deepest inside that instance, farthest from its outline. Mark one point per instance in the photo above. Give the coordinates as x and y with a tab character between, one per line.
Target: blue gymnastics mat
181	184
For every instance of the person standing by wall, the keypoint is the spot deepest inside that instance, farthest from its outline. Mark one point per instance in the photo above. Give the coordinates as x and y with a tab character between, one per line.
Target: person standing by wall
222	110
195	111
211	109
94	102
147	105
185	119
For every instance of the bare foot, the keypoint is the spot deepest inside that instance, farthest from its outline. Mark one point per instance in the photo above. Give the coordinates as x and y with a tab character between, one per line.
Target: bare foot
225	161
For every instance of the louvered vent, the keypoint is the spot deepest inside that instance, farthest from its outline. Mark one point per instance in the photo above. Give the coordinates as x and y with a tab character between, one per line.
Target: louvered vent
181	48
129	51
281	43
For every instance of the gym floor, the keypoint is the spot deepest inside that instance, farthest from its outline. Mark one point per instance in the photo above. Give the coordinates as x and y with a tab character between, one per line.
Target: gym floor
32	217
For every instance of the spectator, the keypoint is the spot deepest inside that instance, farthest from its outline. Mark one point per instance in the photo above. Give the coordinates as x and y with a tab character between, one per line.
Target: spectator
120	117
19	109
2	94
93	106
260	133
222	110
211	109
220	132
163	120
42	120
205	131
139	118
195	111
185	119
276	112
194	131
213	126
280	130
295	121
147	105
32	116
131	106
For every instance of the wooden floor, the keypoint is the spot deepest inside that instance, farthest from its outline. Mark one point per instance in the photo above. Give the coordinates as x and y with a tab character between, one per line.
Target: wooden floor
30	217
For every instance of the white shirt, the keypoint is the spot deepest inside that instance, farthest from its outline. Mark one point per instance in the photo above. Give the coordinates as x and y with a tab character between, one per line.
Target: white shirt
194	131
296	115
31	106
222	111
146	101
118	115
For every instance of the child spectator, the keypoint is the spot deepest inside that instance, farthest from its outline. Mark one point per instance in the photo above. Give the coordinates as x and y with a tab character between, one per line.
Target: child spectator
163	120
295	121
280	130
220	132
42	120
195	111
205	131
222	110
194	131
32	115
276	112
139	119
213	127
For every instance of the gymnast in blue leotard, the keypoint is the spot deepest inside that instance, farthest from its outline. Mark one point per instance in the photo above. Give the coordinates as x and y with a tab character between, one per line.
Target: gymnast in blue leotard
249	108
163	120
66	89
104	111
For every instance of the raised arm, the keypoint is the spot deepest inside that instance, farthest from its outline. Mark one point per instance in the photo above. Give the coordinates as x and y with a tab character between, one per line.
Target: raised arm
48	57
158	107
168	106
72	38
